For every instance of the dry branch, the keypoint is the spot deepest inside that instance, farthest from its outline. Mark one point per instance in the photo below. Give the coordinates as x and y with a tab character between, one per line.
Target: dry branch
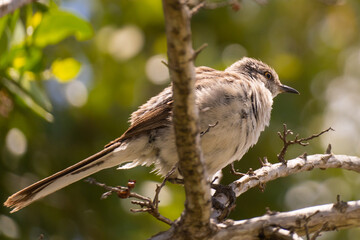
271	172
301	141
274	171
279	234
146	204
195	221
9	6
326	217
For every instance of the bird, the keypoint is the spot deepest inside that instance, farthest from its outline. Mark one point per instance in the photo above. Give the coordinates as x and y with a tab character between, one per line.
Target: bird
234	107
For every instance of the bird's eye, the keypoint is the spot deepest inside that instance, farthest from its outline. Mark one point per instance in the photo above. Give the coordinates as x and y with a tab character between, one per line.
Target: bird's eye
268	75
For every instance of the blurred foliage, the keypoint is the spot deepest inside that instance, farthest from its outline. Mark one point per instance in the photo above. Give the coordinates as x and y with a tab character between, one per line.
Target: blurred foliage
52	68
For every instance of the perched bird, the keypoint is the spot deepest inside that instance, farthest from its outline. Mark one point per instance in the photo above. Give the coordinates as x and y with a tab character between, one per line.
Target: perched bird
236	102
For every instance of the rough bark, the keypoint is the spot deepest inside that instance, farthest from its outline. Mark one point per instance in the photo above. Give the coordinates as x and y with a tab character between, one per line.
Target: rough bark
274	171
195	220
327	217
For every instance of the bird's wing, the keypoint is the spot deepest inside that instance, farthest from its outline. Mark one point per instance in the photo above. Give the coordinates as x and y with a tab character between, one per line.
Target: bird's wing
158	117
157	112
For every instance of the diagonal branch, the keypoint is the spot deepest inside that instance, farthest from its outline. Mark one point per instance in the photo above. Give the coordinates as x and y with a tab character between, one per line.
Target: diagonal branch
297	165
11	5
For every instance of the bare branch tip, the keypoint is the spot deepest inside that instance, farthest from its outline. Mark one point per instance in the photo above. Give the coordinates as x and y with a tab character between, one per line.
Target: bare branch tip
197	8
340	205
165	63
328	149
198	51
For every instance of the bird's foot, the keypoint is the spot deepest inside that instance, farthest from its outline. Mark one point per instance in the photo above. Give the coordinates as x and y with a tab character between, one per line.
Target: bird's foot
223	201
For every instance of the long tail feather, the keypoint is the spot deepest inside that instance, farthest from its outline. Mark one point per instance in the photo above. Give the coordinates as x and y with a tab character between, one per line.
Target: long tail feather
82	169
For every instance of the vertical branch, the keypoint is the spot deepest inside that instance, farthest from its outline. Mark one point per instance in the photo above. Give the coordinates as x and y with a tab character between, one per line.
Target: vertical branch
196	217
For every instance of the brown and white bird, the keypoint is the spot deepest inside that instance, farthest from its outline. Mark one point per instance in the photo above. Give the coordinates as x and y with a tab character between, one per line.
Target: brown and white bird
238	99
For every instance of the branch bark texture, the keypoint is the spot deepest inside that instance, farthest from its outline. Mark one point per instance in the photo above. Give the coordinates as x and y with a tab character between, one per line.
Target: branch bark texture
271	172
195	220
9	6
274	171
327	217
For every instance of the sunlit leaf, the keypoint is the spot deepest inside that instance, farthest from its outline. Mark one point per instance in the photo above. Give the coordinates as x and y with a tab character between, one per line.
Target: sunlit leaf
65	69
25	81
36	19
19	62
21	57
57	25
18	35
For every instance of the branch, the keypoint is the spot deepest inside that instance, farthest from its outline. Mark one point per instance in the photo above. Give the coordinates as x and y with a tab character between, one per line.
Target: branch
278	233
195	221
297	165
301	141
271	172
146	204
324	217
235	5
328	217
11	5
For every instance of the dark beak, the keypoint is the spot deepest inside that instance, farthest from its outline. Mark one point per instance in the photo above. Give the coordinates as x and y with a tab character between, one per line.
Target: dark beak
284	88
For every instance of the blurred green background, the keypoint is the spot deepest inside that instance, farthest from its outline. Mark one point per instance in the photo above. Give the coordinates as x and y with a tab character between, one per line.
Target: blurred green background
73	71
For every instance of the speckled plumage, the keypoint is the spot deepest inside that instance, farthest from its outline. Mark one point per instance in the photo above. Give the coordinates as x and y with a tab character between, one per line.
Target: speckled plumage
236	102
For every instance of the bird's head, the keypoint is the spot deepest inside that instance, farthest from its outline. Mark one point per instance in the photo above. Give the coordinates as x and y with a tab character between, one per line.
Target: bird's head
259	71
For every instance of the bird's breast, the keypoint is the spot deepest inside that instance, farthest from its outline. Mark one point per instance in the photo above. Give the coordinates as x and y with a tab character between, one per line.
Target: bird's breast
231	125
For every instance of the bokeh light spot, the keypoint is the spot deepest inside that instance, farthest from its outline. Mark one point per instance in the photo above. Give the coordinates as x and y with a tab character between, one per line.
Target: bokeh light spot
125	43
306	194
156	71
233	53
76	93
16	142
8	227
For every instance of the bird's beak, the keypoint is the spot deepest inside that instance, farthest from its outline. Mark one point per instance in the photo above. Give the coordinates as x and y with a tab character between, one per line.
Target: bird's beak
284	88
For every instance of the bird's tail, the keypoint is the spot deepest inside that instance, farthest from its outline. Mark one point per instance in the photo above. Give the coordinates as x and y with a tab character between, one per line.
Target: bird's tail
42	188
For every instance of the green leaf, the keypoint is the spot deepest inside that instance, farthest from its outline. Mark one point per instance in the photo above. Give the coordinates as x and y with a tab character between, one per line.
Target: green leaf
65	69
3	44
3	23
57	25
28	99
21	57
14	19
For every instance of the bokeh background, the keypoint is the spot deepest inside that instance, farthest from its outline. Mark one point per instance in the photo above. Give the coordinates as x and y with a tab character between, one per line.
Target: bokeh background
65	92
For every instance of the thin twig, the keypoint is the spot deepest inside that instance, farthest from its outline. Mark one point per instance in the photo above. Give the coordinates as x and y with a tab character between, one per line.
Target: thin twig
208	128
317	233
264	161
215	5
297	140
235	172
194	10
146	204
159	187
198	51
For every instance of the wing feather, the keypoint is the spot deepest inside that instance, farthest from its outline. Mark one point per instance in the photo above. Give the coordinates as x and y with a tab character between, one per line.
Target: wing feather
157	112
